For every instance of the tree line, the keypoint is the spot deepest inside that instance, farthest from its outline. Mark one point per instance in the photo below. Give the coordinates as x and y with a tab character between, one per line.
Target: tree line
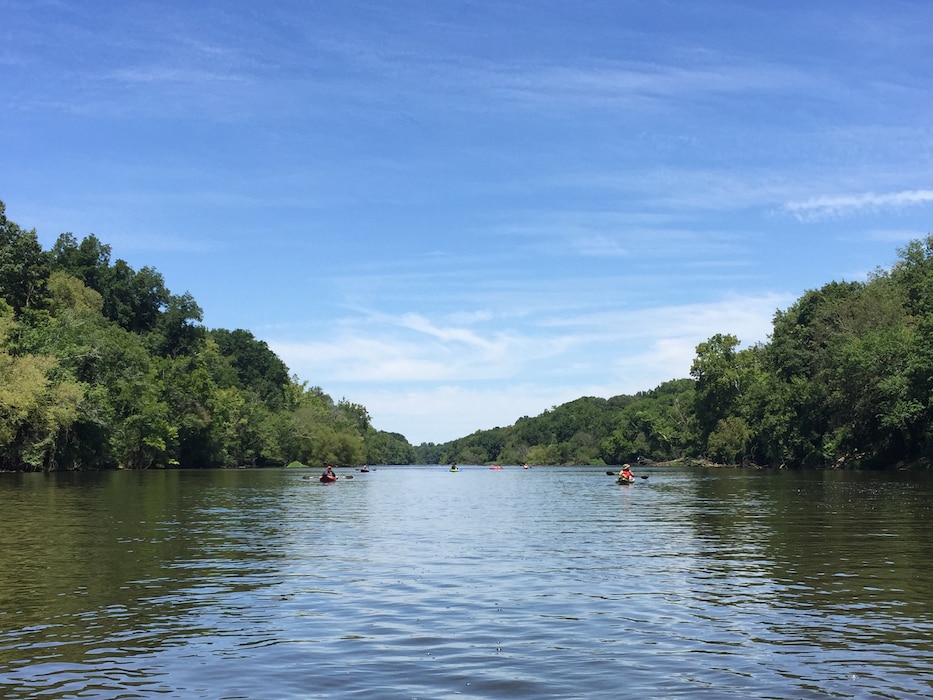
844	381
102	367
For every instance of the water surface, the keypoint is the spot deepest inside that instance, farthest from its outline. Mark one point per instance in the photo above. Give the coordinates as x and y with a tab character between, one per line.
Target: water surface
417	583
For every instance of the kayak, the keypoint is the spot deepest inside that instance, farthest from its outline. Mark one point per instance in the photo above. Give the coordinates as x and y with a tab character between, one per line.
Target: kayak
454	469
625	480
328	478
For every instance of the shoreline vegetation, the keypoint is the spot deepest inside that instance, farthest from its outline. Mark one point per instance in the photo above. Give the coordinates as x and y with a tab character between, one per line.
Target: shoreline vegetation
102	367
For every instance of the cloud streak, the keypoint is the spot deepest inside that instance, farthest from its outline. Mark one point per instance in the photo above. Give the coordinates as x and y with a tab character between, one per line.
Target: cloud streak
823	207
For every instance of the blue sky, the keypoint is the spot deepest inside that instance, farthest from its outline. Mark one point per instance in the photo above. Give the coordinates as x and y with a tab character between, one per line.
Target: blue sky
462	213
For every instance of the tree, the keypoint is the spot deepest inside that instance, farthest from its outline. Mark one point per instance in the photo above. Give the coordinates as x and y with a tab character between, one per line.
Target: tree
913	272
68	294
718	381
257	369
178	330
387	448
24	266
133	299
729	440
89	261
355	415
36	405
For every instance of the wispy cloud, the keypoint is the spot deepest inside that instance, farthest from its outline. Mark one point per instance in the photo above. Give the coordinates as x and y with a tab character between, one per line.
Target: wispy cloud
600	246
823	207
148	75
421	324
634	83
408	348
450	380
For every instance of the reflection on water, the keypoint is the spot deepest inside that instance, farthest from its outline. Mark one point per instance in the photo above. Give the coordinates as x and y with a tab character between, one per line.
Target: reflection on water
415	582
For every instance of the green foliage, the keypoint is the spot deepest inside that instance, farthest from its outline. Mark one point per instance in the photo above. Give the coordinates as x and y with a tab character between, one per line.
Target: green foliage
650	425
387	448
257	370
101	366
24	266
178	329
729	440
68	294
134	300
719	381
88	260
37	405
428	453
655	425
844	381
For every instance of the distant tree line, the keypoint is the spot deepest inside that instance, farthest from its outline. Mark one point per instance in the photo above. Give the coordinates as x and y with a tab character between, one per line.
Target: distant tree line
102	367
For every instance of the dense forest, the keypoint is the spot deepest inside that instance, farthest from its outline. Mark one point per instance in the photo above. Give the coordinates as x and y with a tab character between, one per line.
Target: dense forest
102	367
845	381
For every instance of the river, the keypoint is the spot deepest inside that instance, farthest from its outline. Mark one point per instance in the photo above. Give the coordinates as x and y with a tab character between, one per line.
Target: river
413	582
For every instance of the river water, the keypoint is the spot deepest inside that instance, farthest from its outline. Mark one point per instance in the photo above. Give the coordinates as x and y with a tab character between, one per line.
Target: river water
412	582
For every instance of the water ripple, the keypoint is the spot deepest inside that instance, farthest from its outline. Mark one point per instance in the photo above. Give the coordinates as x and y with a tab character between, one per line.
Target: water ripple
414	583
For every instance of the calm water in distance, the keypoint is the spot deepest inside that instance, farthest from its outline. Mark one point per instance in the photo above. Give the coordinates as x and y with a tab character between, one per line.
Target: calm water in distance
412	582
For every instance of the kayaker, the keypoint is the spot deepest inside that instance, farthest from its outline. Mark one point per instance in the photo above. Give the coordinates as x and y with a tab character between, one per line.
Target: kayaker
626	472
328	473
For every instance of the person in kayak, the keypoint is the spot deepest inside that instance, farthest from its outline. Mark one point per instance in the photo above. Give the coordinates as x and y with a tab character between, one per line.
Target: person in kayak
329	474
626	472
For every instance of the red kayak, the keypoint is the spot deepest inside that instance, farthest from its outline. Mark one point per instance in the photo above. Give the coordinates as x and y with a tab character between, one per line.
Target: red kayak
328	478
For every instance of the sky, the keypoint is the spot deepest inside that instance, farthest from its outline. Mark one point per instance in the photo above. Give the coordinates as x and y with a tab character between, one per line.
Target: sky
459	213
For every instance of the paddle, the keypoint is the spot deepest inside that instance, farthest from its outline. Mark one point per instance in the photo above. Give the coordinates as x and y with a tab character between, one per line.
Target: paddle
325	481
